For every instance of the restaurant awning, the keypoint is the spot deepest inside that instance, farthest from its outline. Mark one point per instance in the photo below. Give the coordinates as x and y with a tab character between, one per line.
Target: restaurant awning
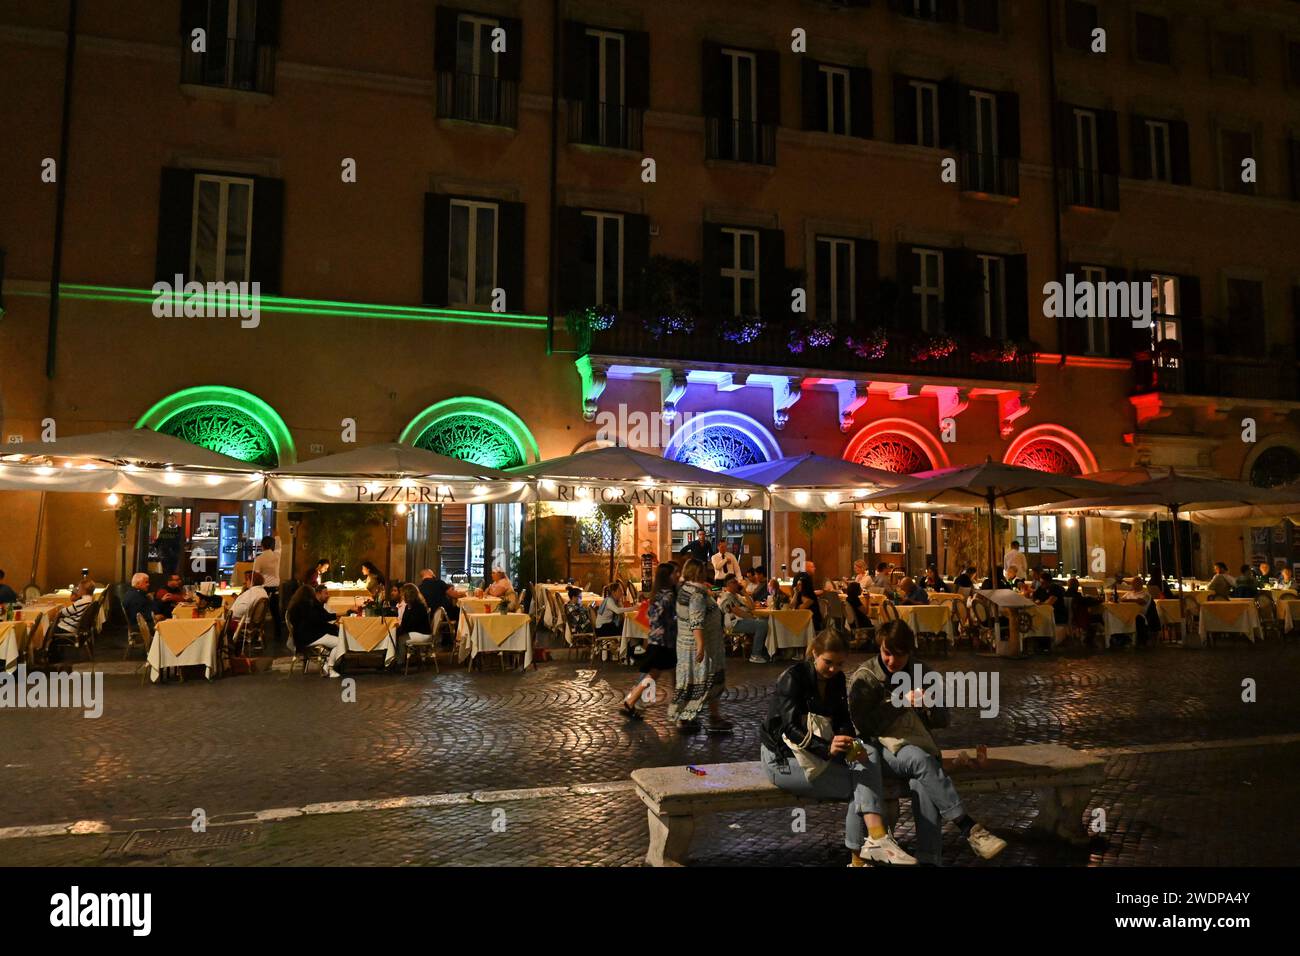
618	475
816	482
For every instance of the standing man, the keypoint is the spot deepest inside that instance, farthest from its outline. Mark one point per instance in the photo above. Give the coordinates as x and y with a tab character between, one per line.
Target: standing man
724	563
699	549
267	564
437	593
1014	563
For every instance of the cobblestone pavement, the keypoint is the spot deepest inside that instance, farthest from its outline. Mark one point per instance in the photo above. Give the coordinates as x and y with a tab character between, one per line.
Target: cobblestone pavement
273	740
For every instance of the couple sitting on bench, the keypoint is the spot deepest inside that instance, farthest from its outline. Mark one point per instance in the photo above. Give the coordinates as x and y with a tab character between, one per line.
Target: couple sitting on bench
827	739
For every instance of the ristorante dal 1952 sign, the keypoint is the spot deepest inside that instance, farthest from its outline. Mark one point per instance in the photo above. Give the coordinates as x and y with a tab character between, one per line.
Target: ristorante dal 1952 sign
666	496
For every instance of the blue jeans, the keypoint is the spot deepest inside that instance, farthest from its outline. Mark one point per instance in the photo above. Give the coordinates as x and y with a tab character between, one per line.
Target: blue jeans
757	627
934	798
857	783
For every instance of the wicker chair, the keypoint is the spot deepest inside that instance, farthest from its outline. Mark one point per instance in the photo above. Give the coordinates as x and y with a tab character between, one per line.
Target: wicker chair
138	634
1268	619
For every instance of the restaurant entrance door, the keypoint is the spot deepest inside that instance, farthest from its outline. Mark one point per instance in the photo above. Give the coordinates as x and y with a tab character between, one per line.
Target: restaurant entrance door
744	529
464	542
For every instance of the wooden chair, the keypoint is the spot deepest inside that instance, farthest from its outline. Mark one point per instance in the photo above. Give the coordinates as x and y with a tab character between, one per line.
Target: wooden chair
1268	619
254	623
833	612
138	633
984	616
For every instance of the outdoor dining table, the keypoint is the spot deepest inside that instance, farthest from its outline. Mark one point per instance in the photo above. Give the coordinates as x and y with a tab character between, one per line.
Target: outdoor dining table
341	605
1120	617
1044	622
1287	611
181	643
787	628
633	630
928	618
1003	599
1235	616
1171	614
59	599
15	639
495	633
365	634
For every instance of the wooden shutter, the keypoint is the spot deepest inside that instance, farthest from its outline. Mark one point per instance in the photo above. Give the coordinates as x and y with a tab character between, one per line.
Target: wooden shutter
1180	153
715	82
773	290
907	314
1073	332
1016	276
1108	141
1293	153
866	282
904	111
813	95
962	286
636	257
574	83
1191	324
710	266
861	112
570	225
510	253
1140	147
1067	138
511	61
1124	339
637	45
268	233
268	23
1009	125
444	39
175	224
194	16
951	110
769	87
437	228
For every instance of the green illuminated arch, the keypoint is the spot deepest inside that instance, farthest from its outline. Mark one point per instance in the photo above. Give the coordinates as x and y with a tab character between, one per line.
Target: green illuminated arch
473	429
225	420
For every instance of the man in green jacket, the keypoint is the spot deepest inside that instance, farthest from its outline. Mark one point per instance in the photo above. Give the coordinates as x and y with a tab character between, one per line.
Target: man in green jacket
898	722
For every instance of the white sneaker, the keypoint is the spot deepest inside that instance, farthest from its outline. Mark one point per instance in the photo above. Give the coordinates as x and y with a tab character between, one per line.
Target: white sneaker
759	660
886	851
985	844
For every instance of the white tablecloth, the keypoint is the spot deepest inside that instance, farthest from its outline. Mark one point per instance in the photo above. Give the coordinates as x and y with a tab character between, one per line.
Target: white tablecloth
1230	617
632	631
784	630
1044	622
203	650
388	645
1120	618
931	618
478	641
1287	612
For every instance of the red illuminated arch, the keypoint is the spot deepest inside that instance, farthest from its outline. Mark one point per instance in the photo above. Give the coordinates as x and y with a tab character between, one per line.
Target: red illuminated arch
1051	448
896	444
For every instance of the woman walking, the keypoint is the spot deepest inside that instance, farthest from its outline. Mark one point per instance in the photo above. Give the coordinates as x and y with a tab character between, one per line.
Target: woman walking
701	655
660	651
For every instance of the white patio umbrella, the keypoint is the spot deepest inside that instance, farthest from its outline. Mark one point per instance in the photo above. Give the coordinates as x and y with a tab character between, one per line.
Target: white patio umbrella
816	482
135	446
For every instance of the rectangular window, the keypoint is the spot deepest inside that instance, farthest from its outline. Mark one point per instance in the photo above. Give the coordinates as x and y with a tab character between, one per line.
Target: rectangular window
1098	343
993	303
835	280
984	121
607	81
742	137
927	112
982	15
1234	54
740	271
1080	21
472	263
477	69
602	258
1085	178
232	54
1165	307
1234	148
1152	37
836	91
223	218
1158	149
929	290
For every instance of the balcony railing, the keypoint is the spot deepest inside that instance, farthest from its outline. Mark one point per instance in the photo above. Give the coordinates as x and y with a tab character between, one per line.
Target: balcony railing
990	173
740	141
1090	187
478	98
1217	376
236	65
630	338
604	124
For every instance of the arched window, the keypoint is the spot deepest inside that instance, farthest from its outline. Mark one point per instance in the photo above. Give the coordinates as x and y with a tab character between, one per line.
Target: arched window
719	448
890	451
473	429
1047	455
1275	467
226	420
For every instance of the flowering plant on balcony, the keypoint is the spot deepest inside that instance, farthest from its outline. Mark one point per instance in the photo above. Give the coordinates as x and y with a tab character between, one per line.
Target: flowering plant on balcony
670	323
873	347
742	329
810	337
671	296
936	346
992	350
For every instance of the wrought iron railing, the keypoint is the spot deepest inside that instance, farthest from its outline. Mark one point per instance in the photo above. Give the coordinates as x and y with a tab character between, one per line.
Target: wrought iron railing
740	141
1217	375
478	98
235	64
990	173
594	123
1090	188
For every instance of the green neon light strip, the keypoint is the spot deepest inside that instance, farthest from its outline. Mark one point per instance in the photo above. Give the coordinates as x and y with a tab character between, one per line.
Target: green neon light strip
272	303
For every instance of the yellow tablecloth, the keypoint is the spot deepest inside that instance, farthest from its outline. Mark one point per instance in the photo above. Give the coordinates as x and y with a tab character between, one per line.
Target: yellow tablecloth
196	640
1287	611
350	590
368	632
492	633
1120	618
341	605
928	618
1231	617
1044	622
787	628
14	641
178	634
475	605
937	597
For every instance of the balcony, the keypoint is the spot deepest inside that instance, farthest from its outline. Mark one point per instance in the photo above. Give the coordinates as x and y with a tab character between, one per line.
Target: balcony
612	125
1217	376
478	98
990	173
713	341
235	65
1090	188
740	141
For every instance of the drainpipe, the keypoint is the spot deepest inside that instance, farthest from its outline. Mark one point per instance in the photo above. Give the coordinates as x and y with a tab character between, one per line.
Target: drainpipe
1053	125
552	262
61	193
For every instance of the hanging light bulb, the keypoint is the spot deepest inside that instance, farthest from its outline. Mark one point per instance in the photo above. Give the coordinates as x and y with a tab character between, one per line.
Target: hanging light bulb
113	499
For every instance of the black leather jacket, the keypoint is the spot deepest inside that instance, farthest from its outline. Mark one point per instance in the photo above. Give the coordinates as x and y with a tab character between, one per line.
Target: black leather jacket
794	699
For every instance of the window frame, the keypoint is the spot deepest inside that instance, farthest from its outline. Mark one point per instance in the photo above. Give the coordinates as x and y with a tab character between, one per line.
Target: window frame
995	327
1161	320
1096	323
601	219
924	292
737	275
224	181
831	72
1165	155
919	88
471	247
833	243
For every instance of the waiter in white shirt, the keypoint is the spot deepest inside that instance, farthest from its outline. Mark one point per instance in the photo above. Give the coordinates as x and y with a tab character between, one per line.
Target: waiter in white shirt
1014	563
724	563
267	564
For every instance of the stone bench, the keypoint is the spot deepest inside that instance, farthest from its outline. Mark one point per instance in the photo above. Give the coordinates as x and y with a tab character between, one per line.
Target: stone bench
674	796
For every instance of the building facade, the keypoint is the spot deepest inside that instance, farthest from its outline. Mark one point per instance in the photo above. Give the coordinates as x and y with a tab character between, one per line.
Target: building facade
491	228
